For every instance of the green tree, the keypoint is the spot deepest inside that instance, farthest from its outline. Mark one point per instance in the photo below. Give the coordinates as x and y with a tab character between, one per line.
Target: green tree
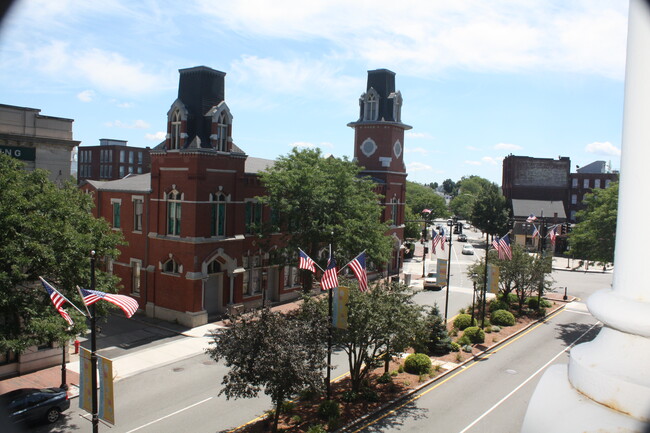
281	354
321	200
469	189
433	338
490	213
412	224
449	186
420	197
594	236
384	321
47	231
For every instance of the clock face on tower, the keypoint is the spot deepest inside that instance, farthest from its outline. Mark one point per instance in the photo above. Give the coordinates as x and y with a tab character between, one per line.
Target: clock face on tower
397	148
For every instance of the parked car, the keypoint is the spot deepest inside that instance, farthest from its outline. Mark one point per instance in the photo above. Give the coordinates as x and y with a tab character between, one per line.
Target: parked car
468	250
431	282
33	404
466	226
462	238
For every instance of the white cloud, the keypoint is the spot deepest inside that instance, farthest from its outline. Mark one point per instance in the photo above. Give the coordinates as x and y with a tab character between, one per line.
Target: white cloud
86	95
420	150
417	135
417	166
492	160
138	124
125	104
158	136
507	146
473	162
603	148
303	145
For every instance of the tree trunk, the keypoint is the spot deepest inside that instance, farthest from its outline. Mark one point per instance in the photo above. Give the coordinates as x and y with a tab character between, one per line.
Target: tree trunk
276	418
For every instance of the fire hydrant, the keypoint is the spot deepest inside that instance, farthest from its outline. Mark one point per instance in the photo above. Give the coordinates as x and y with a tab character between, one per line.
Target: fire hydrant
76	346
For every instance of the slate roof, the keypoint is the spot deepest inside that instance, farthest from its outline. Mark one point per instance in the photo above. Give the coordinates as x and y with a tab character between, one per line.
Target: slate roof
131	183
523	208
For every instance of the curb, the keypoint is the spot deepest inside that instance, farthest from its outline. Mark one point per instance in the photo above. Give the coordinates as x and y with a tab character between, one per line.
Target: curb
415	390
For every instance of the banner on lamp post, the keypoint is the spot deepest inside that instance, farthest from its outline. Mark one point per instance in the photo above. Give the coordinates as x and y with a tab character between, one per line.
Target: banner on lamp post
106	401
493	279
340	307
442	272
85	386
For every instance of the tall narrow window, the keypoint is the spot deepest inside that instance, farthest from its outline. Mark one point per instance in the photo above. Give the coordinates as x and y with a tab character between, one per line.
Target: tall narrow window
175	140
586	183
136	268
174	213
222	133
371	106
394	210
218	226
597	183
116	215
137	215
253	216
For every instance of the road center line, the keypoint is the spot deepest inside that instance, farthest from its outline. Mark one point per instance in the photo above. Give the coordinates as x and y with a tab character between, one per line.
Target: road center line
169	415
528	380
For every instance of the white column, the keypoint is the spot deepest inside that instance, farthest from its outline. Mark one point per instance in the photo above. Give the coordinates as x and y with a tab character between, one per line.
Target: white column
608	386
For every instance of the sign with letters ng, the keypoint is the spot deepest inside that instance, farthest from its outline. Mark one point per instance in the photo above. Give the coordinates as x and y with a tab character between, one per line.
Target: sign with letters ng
22	153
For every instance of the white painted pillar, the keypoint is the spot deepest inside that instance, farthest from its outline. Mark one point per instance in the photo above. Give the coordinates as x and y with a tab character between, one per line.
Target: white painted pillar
608	386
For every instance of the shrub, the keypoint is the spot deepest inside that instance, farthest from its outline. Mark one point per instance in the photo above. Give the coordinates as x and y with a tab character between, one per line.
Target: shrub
308	394
316	428
349	396
385	378
370	395
464	341
488	329
459	357
453	332
329	409
461	311
512	298
400	369
462	321
417	363
503	318
532	303
498	305
546	303
541	312
296	419
495	328
475	334
455	347
467	348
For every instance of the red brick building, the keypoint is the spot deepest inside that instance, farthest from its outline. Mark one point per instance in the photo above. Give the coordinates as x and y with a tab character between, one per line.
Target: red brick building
111	160
191	250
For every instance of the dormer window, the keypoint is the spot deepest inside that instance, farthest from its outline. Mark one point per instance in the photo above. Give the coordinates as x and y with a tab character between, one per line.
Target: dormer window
371	105
222	133
175	137
397	106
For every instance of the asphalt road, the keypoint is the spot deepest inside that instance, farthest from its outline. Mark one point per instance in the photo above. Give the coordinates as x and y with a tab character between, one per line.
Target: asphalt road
492	393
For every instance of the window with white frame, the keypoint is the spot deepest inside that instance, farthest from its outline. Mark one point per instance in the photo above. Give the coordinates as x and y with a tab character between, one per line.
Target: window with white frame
137	214
174	213
585	183
574	198
597	183
117	204
214	267
394	210
222	132
252	284
122	155
136	270
175	136
290	276
131	157
607	182
253	216
371	105
218	215
574	182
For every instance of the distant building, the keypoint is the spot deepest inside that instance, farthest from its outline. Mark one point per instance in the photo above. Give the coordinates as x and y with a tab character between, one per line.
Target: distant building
39	141
111	160
592	176
192	250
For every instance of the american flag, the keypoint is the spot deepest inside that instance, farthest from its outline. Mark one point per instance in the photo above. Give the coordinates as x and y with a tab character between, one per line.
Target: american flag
552	234
535	232
306	262
531	218
358	266
504	248
58	300
495	242
435	240
126	303
330	279
443	240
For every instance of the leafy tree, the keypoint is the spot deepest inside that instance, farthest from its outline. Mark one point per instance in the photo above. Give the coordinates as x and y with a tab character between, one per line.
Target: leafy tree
525	275
47	231
281	354
434	185
449	186
490	213
412	226
322	200
594	236
384	320
469	189
420	197
434	338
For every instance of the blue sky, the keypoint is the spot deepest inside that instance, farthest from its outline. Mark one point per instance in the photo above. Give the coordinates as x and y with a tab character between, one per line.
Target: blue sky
480	80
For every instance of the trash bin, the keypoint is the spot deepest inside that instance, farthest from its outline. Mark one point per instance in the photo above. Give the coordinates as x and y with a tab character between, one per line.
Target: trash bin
407	279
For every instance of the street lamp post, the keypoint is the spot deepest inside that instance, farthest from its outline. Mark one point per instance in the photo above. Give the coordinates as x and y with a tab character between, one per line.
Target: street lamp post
474	276
450	224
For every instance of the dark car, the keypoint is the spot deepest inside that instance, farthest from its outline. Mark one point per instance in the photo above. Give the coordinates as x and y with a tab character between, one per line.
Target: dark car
462	238
33	404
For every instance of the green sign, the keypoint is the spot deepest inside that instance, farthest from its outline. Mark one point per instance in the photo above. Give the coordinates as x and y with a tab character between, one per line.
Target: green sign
22	153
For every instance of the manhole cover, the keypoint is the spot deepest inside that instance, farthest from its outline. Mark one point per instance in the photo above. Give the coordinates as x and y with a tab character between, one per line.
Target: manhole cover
177	369
510	371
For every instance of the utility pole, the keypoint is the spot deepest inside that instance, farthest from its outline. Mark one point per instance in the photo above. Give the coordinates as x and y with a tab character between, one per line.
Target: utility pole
93	348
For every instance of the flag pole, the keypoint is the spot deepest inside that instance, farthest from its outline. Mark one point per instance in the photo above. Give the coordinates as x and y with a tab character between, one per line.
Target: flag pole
93	348
329	338
348	264
321	269
82	300
61	295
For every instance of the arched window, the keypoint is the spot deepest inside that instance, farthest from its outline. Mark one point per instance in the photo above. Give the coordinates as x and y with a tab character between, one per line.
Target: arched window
170	267
174	213
218	215
371	105
222	133
214	267
394	212
175	138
